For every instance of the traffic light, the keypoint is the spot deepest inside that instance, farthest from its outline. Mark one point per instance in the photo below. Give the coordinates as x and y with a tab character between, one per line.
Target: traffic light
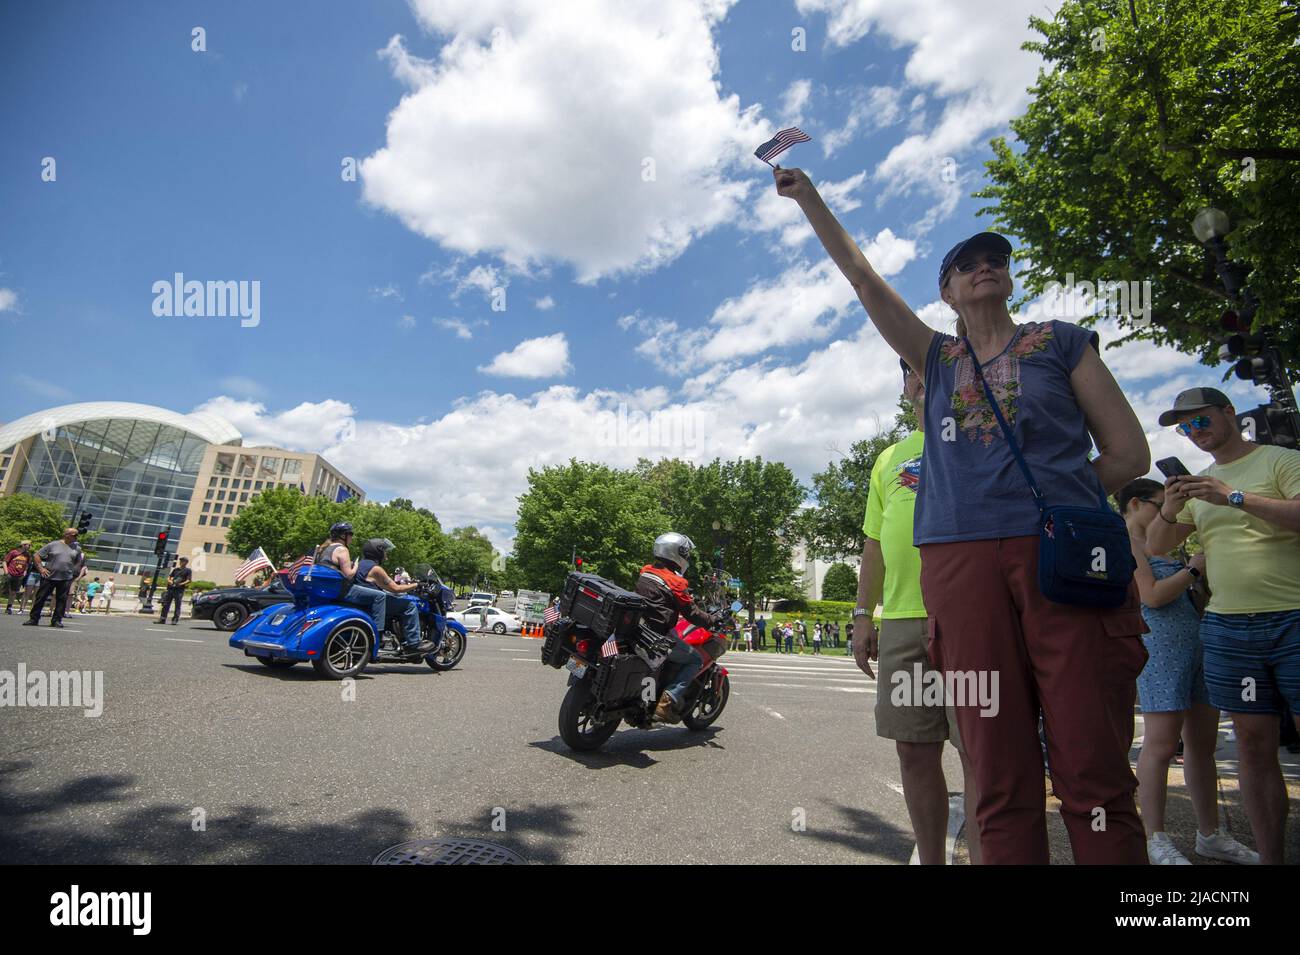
160	545
577	563
83	523
1252	355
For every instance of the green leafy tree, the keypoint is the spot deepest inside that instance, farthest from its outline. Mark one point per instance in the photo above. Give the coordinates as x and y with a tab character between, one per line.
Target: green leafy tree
832	528
269	521
26	517
1144	113
609	516
840	583
761	500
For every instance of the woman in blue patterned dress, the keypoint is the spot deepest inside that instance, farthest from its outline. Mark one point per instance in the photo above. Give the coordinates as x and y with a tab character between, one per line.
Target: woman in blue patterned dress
1171	691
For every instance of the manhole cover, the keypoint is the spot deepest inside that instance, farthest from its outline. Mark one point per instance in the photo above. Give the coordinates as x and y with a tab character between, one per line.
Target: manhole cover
448	852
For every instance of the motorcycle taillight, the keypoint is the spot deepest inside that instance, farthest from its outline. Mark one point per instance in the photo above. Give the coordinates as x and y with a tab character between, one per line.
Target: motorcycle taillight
582	646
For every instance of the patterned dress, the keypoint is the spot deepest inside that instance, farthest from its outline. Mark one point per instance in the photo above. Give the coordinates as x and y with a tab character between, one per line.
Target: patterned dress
1174	677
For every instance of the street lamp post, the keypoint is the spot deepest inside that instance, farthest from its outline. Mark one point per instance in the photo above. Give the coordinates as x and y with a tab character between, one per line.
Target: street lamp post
1256	356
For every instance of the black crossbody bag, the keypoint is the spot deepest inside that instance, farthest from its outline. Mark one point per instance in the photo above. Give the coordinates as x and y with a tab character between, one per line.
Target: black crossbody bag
1084	554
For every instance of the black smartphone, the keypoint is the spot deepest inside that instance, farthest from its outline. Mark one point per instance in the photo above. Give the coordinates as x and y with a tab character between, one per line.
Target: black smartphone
1172	467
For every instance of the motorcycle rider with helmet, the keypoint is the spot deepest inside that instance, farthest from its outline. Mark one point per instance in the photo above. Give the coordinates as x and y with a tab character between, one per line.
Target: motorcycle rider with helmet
370	572
669	597
334	553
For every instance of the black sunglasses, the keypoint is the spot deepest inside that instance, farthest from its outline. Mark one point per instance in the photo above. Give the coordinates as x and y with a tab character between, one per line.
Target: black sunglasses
994	260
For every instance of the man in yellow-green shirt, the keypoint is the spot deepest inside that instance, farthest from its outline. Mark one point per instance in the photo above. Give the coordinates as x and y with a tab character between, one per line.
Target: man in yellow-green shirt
905	711
1246	509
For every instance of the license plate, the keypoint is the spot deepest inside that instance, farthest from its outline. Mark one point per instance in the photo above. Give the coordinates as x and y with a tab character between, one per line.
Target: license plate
576	667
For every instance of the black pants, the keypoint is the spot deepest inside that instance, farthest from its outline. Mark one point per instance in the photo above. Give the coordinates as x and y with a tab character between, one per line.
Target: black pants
15	589
173	594
60	590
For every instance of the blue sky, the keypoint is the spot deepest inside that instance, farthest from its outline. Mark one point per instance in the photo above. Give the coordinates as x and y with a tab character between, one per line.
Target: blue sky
589	159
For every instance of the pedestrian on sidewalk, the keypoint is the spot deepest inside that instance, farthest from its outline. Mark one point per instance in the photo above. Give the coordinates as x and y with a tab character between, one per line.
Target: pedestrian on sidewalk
59	563
1245	508
1172	693
817	638
106	595
177	582
890	575
18	562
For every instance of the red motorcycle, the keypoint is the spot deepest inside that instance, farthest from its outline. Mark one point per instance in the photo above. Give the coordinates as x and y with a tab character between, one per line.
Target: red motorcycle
616	664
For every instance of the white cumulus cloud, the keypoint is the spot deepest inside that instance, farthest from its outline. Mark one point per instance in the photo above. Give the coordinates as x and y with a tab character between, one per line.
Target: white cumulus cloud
544	357
528	136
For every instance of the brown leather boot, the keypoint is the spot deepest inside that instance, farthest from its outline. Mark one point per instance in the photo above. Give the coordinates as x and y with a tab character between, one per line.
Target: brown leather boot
666	711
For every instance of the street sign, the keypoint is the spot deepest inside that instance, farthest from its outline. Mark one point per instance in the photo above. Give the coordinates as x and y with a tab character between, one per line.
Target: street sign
530	605
734	582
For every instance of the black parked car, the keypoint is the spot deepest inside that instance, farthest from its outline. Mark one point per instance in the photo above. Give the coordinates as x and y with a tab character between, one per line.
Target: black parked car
229	607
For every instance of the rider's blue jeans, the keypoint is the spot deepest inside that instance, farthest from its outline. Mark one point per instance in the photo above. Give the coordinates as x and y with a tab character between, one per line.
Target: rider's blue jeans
372	601
409	611
687	664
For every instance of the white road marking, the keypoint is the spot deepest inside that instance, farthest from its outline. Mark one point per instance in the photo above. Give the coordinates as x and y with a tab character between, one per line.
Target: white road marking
815	686
181	640
760	668
515	649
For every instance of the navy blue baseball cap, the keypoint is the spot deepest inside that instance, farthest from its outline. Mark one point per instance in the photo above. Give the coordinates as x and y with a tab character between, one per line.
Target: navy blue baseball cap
980	242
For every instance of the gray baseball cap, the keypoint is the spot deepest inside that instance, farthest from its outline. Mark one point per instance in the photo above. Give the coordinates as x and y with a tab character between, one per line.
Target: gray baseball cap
1194	399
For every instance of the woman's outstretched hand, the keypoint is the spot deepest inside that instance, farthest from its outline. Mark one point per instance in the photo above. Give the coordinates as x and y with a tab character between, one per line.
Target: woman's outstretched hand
793	184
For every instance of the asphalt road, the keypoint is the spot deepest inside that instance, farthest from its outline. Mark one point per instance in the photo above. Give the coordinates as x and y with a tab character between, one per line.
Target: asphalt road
281	768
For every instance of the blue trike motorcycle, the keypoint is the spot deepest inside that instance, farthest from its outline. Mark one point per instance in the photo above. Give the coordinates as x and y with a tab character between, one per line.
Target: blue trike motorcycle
338	639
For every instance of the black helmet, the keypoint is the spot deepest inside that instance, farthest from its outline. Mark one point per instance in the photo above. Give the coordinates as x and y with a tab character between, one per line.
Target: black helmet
376	549
340	530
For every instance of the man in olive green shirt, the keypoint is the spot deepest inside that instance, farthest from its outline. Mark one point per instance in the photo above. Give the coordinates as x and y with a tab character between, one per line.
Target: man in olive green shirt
891	569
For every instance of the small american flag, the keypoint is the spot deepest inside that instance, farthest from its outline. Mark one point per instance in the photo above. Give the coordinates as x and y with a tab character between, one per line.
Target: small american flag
550	615
297	565
609	648
780	143
257	560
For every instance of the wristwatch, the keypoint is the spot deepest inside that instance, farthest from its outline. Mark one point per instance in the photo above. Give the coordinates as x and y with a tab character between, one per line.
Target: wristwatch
860	612
1237	499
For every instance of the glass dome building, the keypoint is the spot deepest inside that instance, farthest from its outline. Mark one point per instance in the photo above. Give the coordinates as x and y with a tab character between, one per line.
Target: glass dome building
132	466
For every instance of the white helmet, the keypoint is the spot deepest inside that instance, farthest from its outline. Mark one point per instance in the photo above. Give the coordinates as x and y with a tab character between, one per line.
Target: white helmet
674	548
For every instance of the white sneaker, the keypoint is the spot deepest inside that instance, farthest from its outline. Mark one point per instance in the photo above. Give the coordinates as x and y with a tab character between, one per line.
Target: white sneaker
1162	851
1222	846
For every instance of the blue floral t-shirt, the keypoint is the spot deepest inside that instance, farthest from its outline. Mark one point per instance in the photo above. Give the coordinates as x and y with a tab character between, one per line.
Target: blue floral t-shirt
972	488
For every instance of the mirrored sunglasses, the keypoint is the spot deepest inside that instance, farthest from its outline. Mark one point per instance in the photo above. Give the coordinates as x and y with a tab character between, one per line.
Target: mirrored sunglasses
1198	423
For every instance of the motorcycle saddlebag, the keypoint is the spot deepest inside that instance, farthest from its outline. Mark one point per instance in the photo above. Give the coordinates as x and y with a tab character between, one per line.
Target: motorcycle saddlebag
555	642
620	679
600	606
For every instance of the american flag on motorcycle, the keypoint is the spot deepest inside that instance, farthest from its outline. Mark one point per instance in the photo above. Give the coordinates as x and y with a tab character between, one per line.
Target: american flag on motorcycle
292	570
609	648
257	560
550	615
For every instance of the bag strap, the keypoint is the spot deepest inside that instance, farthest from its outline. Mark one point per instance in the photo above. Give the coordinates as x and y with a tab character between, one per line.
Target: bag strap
1011	438
1006	428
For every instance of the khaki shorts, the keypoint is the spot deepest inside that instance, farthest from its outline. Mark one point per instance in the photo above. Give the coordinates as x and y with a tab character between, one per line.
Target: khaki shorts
898	714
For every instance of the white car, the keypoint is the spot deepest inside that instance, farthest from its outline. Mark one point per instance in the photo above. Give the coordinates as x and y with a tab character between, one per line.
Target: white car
488	618
479	599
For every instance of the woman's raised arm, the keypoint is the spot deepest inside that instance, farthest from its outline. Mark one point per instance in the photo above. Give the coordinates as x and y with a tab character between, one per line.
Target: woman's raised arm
897	324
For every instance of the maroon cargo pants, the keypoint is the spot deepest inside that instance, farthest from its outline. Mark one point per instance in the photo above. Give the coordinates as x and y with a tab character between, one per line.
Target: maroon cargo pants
1079	665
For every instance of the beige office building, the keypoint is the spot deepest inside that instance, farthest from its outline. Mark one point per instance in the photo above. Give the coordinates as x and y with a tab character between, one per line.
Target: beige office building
229	478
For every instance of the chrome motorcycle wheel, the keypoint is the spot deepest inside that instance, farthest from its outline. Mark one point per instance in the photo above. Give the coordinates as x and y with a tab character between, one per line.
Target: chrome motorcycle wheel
346	652
449	653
